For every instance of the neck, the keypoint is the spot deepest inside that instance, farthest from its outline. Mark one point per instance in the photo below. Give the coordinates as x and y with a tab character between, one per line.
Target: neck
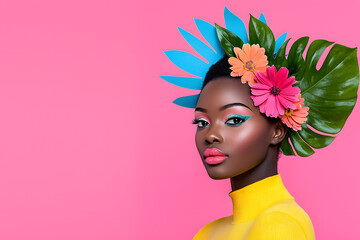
267	168
250	201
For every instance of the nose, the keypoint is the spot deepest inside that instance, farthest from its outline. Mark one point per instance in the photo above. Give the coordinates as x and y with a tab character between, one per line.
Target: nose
213	135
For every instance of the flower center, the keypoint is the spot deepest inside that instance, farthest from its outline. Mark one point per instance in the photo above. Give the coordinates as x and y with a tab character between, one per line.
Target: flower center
249	66
288	112
274	91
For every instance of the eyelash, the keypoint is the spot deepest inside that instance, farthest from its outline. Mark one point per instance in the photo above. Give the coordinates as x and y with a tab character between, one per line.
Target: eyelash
231	117
200	120
236	116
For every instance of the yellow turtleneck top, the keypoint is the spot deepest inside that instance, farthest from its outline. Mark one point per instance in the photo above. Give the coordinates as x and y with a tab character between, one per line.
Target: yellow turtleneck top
263	210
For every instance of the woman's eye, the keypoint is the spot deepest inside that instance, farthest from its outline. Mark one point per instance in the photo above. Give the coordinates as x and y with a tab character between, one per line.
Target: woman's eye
236	120
201	122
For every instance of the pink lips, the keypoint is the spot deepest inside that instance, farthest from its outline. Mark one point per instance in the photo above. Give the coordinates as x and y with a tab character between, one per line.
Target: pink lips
214	156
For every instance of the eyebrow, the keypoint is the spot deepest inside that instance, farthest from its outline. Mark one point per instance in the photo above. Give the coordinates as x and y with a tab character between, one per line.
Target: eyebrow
224	107
232	105
200	109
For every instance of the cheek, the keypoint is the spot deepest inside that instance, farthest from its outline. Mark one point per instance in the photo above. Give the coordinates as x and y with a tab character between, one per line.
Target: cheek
198	140
251	139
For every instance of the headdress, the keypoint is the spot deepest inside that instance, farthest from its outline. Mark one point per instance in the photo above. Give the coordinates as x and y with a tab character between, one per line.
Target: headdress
313	103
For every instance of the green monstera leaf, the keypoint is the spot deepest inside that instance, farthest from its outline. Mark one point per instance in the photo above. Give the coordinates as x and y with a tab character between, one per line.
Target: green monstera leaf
330	93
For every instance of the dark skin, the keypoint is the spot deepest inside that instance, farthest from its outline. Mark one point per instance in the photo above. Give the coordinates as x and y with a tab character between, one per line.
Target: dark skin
230	122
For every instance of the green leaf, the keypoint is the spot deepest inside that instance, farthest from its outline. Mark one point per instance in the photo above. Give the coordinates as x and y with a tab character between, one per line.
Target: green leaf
295	59
301	148
228	40
330	92
314	139
286	147
260	33
280	60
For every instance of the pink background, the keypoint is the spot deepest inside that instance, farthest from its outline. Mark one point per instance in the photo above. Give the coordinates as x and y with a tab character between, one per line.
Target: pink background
91	146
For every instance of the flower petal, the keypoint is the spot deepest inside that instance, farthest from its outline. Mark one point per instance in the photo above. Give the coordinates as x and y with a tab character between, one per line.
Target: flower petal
283	101
271	74
241	71
285	119
290	91
271	110
253	51
260	86
286	83
282	75
234	74
248	76
263	106
279	107
260	99
263	79
260	63
234	61
246	49
251	81
292	99
237	51
259	91
286	103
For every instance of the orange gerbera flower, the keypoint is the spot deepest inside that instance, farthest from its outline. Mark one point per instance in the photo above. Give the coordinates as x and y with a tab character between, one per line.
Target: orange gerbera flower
249	60
294	118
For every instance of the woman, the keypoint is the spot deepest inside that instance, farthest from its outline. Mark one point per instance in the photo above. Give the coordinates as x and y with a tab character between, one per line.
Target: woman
258	101
235	140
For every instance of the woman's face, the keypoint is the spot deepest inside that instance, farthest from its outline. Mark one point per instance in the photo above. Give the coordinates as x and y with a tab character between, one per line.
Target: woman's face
228	121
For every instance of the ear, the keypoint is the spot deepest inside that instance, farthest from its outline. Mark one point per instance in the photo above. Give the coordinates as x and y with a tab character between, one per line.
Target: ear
279	132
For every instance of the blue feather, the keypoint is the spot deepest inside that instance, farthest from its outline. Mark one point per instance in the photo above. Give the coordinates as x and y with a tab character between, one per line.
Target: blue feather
235	25
199	46
279	42
188	62
208	31
198	67
262	18
185	82
187	101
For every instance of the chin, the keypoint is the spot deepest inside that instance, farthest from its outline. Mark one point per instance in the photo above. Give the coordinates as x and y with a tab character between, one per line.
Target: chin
216	177
217	172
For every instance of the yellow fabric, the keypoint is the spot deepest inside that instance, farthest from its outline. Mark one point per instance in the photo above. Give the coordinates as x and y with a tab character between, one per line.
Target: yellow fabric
263	210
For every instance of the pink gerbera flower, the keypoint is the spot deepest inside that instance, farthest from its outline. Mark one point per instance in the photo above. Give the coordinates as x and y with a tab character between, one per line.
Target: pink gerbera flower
294	118
273	92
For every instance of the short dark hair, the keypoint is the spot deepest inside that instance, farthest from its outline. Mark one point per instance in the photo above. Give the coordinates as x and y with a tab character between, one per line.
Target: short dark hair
219	69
